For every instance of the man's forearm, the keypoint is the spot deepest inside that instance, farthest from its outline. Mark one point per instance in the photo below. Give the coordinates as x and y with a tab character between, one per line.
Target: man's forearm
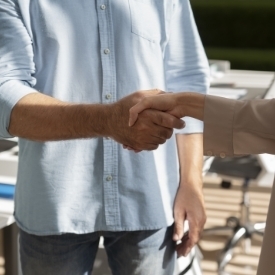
42	118
190	151
189	202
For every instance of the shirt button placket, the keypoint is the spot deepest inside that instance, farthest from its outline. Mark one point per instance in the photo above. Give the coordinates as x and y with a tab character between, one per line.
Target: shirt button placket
110	188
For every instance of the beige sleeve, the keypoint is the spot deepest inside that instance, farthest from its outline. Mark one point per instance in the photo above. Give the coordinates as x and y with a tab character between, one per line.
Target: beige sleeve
235	127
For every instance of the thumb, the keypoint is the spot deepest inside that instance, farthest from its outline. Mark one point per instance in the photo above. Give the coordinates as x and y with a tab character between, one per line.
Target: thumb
133	117
178	228
144	104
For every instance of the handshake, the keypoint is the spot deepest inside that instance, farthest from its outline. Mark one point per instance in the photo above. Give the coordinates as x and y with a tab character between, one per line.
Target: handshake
146	119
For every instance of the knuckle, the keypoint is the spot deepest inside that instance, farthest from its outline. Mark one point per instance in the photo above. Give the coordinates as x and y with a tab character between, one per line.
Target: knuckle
139	95
170	133
194	240
159	133
204	219
142	127
166	133
160	118
171	121
146	114
157	91
145	101
162	141
154	147
163	134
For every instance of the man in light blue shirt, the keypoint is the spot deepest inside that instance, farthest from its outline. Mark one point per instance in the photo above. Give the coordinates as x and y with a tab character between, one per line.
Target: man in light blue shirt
67	72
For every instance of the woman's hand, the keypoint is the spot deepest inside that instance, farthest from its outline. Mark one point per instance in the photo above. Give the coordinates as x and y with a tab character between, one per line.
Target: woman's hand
177	104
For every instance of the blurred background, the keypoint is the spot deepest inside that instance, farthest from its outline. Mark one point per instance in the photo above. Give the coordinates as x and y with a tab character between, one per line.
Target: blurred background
241	31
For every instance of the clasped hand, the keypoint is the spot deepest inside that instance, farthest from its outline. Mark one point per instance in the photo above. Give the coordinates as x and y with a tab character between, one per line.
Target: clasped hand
153	127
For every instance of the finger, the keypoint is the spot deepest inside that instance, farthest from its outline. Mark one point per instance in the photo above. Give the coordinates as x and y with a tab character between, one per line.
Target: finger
183	249
148	144
138	108
193	238
162	134
154	92
167	120
162	119
180	245
128	147
153	144
151	132
151	147
178	226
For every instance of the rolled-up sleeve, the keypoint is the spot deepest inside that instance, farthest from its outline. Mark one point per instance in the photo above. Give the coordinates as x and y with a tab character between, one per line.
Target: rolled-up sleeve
187	67
16	62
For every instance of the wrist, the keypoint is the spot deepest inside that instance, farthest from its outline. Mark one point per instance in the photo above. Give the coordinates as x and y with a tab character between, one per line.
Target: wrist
193	104
99	119
194	186
192	179
110	114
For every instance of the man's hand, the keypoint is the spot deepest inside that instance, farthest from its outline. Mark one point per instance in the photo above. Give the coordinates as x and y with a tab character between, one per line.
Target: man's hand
189	205
151	129
189	202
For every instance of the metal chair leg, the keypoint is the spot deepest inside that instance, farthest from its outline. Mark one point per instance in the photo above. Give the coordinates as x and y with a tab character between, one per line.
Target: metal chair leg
219	230
227	252
241	228
259	228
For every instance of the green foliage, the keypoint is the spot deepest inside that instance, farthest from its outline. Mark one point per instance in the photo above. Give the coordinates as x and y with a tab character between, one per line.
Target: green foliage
244	59
241	31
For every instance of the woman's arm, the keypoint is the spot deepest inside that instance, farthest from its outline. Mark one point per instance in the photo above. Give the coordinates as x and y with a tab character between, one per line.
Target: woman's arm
231	127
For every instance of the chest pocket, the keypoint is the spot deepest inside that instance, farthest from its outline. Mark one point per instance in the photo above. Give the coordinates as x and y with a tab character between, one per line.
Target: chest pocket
145	19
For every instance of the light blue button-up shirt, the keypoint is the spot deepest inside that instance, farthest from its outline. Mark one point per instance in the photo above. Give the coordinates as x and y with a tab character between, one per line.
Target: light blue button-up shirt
96	51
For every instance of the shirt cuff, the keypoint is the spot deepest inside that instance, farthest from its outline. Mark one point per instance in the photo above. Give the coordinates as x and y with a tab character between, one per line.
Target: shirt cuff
10	93
218	126
192	126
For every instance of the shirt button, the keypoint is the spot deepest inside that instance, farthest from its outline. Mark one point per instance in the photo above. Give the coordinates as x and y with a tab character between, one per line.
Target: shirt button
106	51
209	153
108	96
222	155
103	7
109	178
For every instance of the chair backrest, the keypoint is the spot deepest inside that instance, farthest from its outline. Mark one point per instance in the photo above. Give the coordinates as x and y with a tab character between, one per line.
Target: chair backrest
246	167
271	91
